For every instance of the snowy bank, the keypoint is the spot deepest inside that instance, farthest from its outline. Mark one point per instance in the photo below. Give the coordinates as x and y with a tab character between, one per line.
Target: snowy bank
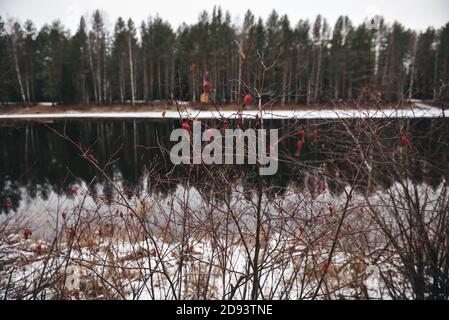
420	110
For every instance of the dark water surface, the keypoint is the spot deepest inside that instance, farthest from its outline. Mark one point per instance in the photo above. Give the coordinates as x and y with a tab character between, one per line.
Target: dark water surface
35	161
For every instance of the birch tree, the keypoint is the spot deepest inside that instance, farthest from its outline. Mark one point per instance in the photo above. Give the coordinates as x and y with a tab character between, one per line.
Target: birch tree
16	42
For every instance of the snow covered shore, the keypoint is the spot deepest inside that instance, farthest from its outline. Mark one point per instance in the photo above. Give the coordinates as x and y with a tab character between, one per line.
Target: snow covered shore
420	110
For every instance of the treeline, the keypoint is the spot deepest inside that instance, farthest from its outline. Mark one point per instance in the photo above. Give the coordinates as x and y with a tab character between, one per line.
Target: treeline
303	62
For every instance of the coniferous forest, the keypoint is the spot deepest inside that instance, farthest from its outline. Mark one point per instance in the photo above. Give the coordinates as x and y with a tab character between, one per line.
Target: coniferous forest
308	62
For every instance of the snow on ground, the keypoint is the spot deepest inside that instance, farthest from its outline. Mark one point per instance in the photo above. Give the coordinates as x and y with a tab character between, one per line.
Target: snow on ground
136	263
420	110
141	269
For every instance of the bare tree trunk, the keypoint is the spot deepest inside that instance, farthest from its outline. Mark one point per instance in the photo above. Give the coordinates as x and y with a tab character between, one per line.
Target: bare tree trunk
413	67
377	55
284	81
159	78
136	85
151	80
229	77
309	90
225	78
435	76
298	76
17	67
318	73
105	80
385	78
239	92
83	89
193	87
121	73
336	87
92	71
131	69
290	80
172	76
217	77
166	76
231	85
27	87
98	74
313	78
98	67
145	79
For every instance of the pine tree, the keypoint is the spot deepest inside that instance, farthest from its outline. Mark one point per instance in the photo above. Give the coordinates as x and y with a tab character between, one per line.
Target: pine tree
29	48
361	59
97	56
394	74
425	64
132	44
442	74
306	64
338	59
79	66
303	61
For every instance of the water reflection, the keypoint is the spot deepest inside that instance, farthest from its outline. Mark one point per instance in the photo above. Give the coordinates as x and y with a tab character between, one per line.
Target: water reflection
35	159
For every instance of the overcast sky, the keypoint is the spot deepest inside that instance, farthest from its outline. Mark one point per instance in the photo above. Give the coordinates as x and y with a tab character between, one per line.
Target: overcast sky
417	14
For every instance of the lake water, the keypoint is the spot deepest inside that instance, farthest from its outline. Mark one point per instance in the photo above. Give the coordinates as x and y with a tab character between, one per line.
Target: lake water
36	162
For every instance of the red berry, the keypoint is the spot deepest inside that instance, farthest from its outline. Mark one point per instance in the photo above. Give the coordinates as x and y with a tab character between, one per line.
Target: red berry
8	204
303	134
27	233
326	266
299	145
405	141
186	126
315	134
247	100
206	86
73	191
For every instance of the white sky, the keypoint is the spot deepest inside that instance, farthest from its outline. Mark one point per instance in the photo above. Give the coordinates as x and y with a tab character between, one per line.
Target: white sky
417	14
